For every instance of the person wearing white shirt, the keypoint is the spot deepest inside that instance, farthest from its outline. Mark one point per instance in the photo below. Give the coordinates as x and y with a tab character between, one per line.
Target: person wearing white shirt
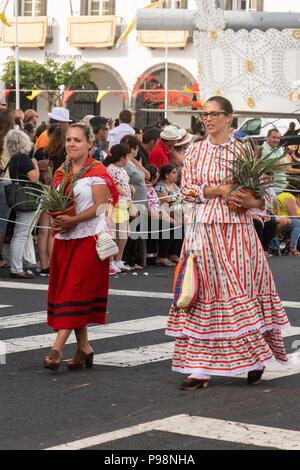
271	147
116	134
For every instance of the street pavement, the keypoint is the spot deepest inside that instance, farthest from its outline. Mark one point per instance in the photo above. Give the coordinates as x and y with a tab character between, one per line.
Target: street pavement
130	399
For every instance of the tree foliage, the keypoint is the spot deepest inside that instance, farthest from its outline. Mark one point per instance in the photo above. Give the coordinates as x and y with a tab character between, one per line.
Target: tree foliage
50	75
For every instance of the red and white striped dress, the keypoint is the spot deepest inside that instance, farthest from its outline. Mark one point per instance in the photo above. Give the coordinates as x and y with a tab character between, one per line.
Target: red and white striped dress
234	325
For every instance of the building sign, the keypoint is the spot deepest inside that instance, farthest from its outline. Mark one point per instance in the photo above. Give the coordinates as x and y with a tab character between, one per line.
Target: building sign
62	57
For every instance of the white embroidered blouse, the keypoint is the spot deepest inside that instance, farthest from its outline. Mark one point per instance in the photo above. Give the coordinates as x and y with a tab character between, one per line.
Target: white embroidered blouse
84	198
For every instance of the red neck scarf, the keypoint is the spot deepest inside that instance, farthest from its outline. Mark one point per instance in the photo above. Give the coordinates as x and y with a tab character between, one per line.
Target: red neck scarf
90	168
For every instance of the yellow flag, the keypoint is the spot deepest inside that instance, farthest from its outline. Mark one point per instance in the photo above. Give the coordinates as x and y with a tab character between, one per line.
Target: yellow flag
189	90
3	6
3	19
101	93
34	94
121	40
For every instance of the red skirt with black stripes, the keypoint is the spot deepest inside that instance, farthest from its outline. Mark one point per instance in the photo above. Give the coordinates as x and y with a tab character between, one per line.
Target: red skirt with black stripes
78	284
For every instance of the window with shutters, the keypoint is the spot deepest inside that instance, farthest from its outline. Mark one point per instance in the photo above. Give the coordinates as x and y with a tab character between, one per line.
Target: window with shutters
33	8
248	5
97	7
174	4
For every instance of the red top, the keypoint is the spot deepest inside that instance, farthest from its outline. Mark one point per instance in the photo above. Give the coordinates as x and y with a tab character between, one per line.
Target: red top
159	155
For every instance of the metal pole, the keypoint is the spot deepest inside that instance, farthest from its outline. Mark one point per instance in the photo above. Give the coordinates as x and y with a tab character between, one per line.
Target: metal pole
17	72
166	76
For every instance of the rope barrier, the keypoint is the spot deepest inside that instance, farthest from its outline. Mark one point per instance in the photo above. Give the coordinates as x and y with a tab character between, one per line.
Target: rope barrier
159	198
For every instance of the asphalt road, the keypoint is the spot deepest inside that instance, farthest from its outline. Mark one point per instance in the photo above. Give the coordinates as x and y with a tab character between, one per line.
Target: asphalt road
42	409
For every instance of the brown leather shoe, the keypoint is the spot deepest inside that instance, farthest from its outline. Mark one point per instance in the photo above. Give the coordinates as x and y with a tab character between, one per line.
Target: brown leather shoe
80	359
53	360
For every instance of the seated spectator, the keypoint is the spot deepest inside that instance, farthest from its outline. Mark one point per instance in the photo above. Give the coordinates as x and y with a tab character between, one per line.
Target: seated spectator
265	227
289	206
159	223
293	160
292	129
171	199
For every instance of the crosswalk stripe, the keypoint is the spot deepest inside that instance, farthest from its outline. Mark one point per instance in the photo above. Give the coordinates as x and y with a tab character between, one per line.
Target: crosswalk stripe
5	306
110	330
117	292
136	356
32	318
163	352
23	319
204	428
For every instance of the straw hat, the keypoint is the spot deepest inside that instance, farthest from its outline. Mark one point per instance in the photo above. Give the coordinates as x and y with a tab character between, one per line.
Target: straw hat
60	114
185	138
170	133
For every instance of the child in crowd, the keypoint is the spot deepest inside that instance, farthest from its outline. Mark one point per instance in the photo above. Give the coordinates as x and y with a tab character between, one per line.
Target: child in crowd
115	163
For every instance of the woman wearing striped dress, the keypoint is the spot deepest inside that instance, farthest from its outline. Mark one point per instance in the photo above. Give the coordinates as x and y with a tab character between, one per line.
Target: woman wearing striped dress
235	324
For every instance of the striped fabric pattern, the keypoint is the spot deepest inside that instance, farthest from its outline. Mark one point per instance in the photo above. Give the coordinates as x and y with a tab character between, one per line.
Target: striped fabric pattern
207	164
235	323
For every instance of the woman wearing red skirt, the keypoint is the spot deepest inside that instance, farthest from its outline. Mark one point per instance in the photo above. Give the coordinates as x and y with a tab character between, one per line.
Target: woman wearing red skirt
78	285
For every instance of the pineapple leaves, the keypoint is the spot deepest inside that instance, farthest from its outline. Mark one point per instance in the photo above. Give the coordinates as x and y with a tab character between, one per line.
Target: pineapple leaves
249	169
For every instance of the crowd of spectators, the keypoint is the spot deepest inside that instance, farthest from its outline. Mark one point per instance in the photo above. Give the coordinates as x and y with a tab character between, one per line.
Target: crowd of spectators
146	166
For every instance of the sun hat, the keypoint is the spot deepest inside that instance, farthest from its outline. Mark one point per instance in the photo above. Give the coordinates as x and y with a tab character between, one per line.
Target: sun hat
60	114
185	138
170	133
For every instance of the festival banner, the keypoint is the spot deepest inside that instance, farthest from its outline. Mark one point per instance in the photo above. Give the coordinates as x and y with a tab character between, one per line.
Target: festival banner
121	40
101	93
3	5
34	94
66	95
5	93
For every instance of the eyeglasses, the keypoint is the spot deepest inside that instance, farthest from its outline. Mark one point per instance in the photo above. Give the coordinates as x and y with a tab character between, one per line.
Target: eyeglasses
213	114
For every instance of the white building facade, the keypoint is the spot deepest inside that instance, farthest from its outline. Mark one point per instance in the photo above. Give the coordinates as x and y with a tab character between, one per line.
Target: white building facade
88	31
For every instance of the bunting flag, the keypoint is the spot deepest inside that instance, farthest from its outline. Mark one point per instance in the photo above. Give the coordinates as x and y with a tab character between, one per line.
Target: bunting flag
66	95
5	93
3	6
34	94
121	40
101	93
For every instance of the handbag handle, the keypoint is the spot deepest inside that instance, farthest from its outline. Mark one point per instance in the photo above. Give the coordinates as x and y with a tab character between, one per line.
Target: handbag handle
193	227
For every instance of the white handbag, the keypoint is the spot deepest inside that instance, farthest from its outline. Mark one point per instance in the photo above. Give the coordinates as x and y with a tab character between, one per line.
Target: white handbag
105	246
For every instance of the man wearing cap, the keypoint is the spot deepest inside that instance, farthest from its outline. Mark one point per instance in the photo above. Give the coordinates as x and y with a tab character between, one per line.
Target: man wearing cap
161	153
58	115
